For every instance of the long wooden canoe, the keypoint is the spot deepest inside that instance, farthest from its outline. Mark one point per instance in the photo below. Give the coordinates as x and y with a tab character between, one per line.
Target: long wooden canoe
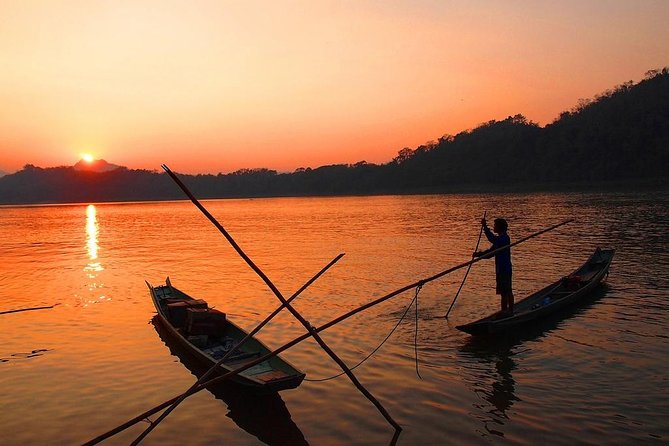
554	297
208	335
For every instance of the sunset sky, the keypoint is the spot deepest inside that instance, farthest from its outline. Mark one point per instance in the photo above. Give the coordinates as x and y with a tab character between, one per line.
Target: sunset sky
211	86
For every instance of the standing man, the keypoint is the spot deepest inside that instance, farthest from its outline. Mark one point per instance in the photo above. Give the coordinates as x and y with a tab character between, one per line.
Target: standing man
503	268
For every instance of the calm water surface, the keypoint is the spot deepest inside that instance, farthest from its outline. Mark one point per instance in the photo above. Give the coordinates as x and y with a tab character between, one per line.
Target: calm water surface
597	375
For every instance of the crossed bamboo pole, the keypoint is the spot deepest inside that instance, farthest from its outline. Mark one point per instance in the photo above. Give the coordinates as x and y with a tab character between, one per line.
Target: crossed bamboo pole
284	302
301	338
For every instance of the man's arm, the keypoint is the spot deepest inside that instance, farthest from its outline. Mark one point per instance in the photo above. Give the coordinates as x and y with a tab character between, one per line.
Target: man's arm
485	253
488	233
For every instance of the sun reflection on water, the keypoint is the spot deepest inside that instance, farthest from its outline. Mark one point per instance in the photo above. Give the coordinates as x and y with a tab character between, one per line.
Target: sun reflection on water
94	266
92	232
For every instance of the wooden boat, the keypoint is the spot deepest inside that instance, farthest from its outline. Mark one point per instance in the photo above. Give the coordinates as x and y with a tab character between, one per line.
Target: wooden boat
554	297
208	335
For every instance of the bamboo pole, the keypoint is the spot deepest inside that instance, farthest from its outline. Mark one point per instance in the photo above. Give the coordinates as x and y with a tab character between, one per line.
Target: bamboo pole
301	338
27	309
239	344
468	268
289	307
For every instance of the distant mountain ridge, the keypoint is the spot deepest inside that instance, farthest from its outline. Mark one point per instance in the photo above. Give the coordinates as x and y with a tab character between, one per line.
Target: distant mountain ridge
620	136
95	166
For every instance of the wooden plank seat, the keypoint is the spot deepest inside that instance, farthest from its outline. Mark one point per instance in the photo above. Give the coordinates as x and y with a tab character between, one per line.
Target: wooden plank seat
271	375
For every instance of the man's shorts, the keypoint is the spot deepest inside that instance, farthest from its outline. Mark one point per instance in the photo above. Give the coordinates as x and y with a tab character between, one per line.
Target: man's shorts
503	283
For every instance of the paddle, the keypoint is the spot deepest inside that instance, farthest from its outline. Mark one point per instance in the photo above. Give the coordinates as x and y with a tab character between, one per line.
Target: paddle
468	268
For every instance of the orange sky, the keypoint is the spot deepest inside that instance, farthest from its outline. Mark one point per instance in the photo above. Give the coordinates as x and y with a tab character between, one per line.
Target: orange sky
209	86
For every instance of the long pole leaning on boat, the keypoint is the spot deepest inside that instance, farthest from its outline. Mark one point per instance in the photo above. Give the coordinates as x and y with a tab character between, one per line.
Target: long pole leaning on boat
305	336
249	335
468	268
289	307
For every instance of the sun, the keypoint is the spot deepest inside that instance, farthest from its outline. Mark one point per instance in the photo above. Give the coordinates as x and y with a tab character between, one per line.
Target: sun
87	157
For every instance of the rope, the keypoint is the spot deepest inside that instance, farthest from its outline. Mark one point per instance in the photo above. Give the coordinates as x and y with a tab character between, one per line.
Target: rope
468	268
406	310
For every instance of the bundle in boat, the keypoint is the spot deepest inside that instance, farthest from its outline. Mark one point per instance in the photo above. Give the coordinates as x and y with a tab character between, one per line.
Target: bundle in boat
205	322
177	309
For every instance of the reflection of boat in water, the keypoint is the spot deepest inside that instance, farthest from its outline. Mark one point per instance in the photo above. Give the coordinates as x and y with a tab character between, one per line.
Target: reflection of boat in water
263	415
209	336
549	300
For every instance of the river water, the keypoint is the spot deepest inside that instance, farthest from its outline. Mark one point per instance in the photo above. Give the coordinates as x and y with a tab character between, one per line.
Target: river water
596	374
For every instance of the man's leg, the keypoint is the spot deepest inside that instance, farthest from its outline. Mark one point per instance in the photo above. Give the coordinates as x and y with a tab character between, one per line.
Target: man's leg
507	302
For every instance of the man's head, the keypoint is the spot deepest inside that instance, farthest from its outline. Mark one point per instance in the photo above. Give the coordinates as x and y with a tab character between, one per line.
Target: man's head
500	226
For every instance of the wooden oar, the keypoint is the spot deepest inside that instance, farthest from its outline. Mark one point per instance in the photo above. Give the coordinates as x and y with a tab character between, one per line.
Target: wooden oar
240	343
279	296
301	338
468	268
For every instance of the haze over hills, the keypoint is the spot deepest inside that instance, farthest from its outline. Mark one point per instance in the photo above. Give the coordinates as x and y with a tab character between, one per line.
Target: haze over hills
621	136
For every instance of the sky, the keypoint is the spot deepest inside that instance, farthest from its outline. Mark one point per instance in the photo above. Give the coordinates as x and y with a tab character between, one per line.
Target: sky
216	86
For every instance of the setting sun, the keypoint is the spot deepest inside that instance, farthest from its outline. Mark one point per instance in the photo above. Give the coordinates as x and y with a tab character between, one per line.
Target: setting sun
87	157
346	84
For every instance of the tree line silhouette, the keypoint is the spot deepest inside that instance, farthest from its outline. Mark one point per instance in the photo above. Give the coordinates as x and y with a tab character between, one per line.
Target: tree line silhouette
618	137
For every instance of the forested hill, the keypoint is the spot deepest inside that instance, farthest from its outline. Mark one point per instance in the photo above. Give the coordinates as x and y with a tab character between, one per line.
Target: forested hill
620	136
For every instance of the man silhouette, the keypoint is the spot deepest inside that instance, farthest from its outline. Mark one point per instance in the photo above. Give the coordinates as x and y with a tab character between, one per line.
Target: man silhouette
503	269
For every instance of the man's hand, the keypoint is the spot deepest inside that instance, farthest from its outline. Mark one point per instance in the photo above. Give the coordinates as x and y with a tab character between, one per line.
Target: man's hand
483	222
